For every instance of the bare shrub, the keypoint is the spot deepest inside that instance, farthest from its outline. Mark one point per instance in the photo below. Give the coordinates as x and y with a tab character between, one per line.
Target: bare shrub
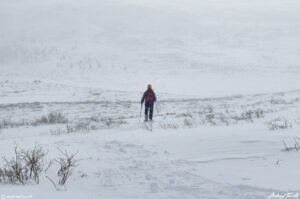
249	115
79	126
27	166
93	123
188	122
66	163
108	122
34	162
210	118
52	118
213	118
259	113
15	170
5	123
58	131
169	125
24	167
279	123
223	119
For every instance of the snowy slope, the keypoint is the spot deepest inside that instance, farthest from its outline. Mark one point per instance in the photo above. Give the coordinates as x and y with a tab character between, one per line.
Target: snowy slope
226	74
203	48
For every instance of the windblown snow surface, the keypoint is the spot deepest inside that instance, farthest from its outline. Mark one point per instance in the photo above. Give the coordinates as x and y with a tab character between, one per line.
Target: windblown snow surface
226	75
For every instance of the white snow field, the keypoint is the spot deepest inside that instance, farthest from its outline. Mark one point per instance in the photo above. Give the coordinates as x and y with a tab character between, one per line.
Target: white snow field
226	75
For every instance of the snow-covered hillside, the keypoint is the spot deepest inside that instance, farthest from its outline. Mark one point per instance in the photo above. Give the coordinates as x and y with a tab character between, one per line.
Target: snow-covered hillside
226	75
204	48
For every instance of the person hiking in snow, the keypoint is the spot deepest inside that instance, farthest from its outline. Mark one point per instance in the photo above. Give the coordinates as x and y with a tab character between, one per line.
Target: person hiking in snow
149	98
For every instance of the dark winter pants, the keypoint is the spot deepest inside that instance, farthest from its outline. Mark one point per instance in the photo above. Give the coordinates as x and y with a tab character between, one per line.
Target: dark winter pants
148	108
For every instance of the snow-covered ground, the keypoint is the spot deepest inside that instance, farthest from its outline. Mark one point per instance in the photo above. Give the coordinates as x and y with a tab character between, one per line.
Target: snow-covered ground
226	74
